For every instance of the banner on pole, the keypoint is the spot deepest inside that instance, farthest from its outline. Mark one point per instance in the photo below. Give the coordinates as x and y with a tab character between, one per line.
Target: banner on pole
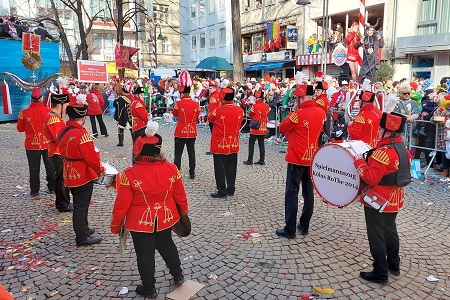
123	57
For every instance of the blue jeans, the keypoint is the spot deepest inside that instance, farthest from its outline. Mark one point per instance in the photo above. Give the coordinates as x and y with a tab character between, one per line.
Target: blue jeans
295	175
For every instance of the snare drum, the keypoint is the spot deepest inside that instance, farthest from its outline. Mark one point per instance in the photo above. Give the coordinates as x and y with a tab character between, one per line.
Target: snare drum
333	174
108	177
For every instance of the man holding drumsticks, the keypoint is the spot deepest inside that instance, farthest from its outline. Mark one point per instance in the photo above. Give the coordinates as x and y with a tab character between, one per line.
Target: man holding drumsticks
302	128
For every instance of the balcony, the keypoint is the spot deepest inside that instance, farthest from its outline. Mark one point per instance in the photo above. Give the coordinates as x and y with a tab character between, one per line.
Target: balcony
422	43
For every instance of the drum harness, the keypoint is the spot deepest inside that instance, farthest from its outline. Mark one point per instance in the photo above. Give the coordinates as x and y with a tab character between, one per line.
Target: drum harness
60	138
402	177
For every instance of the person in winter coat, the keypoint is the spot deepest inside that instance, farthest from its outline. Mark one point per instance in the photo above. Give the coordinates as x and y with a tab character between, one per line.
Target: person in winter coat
95	102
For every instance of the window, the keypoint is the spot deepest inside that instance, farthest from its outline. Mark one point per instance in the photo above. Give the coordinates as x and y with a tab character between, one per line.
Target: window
202	40
193	43
97	41
445	21
247	44
165	46
212	6
161	13
222	37
110	42
246	5
97	6
422	65
221	4
212	39
201	8
427	20
193	11
257	45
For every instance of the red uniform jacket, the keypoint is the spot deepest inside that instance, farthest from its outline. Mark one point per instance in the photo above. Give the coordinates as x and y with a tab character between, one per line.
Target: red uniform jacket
31	121
94	104
139	114
52	124
187	112
383	161
214	101
227	120
81	161
352	39
322	102
366	124
340	97
302	128
148	196
259	112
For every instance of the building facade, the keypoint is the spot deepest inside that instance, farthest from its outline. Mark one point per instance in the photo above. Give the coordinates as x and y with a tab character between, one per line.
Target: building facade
205	27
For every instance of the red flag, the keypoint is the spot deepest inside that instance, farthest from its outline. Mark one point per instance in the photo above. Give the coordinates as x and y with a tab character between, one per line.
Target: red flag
123	57
6	99
31	42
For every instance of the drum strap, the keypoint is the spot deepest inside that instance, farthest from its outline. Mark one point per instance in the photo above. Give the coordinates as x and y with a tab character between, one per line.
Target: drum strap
64	132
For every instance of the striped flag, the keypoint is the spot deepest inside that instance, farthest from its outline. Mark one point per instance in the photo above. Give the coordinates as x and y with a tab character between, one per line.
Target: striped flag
6	99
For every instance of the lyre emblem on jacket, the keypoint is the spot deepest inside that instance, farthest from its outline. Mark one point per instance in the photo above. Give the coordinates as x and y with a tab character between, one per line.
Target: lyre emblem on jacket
167	212
309	152
146	217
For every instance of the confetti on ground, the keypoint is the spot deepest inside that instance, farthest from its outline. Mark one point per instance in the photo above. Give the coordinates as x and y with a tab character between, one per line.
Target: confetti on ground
256	240
54	293
98	282
364	265
123	291
19	187
228	244
26	288
227	214
213	276
431	278
6	230
247	271
188	257
323	291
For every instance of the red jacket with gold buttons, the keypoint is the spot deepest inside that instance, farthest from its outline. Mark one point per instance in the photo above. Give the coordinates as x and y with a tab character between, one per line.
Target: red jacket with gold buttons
52	124
227	120
259	112
139	114
214	101
302	128
148	196
81	161
187	112
383	161
31	121
366	124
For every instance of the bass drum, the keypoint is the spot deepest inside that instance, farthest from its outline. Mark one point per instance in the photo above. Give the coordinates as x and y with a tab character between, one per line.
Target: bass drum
333	173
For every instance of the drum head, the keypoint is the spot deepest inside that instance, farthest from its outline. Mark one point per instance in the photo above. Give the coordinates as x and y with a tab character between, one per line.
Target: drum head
334	176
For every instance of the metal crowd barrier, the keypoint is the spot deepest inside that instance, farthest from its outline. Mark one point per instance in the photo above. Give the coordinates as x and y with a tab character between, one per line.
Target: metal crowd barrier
409	138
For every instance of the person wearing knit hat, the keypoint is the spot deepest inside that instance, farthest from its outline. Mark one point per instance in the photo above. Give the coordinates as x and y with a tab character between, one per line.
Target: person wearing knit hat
150	201
31	121
81	168
52	124
227	120
302	127
386	171
187	111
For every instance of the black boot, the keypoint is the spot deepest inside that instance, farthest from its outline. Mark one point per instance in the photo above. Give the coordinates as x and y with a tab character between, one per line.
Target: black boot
120	144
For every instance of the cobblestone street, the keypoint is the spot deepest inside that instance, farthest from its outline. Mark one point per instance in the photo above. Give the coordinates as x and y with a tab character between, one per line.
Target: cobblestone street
39	259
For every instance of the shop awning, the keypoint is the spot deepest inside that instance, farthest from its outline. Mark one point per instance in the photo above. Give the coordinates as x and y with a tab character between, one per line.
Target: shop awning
268	65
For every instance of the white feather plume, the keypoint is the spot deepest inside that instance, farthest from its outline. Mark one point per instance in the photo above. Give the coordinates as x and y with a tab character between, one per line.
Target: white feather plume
390	103
366	86
152	128
81	99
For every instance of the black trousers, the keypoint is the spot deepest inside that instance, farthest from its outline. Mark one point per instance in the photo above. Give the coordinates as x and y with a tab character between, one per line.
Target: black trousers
145	244
34	165
225	168
121	132
383	241
251	147
103	130
179	148
61	191
81	198
295	175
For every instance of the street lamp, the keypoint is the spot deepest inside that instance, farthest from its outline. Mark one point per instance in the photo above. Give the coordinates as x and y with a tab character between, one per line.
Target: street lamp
303	3
159	38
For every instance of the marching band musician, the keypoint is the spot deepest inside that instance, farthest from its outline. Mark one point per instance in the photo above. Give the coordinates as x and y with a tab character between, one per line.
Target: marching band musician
366	124
31	121
122	113
259	113
226	120
148	204
52	124
386	171
138	113
302	127
81	167
213	102
187	112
